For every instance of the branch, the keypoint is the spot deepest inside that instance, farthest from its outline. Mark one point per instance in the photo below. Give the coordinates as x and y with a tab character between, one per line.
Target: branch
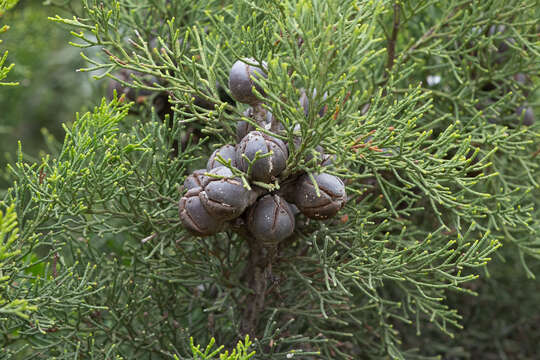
257	268
391	48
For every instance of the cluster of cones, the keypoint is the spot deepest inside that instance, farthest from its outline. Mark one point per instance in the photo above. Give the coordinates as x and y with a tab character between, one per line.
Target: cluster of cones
247	183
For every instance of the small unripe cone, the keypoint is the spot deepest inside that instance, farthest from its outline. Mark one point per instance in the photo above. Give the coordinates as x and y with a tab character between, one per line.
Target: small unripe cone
319	154
502	45
243	127
322	158
310	155
304	101
328	159
227	152
226	198
241	83
195	217
263	169
271	220
331	200
495	29
527	113
388	152
521	78
267	115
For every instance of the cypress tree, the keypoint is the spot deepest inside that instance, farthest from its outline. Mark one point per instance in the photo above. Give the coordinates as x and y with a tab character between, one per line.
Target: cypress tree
383	152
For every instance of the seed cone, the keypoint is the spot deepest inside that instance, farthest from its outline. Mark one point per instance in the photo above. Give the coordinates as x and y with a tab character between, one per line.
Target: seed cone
263	169
271	220
241	82
227	152
331	200
225	198
195	217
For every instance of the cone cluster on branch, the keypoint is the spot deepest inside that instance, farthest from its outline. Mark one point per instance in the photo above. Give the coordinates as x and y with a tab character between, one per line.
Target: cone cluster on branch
246	183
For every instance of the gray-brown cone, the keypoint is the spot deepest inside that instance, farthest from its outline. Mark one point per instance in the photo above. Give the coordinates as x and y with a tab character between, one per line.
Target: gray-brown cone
227	152
331	200
271	220
196	180
264	169
304	101
226	198
241	83
527	113
195	217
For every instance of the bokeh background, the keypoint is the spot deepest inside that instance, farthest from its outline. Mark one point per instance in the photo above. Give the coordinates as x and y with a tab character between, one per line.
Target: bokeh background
502	322
50	91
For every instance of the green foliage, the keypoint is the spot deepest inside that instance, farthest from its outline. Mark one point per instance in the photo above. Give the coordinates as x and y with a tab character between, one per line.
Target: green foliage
6	5
9	233
240	353
501	322
4	70
435	187
50	92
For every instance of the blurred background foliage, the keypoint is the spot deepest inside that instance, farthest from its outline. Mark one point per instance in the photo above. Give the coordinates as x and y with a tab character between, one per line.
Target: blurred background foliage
50	90
502	322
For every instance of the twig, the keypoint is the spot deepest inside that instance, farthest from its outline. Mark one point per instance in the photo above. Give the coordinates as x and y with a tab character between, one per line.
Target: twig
391	48
55	260
148	238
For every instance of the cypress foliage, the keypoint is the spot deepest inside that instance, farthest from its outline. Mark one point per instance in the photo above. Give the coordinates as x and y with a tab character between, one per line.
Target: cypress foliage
417	102
4	68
